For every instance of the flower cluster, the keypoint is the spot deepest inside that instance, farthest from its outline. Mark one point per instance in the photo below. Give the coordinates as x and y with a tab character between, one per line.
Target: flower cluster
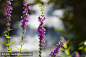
8	10
25	17
53	53
41	30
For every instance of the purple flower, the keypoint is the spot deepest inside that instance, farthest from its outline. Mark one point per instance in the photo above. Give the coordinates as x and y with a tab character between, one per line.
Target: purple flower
9	2
39	18
25	11
26	20
22	16
22	25
77	55
23	7
8	23
27	15
29	7
24	3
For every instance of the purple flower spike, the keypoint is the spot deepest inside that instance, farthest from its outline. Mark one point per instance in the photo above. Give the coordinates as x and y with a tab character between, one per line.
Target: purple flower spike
56	51
25	17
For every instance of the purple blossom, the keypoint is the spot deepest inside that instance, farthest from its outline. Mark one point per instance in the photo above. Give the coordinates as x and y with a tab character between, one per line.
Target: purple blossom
22	16
77	55
27	15
25	11
26	20
8	23
29	7
39	18
9	2
24	3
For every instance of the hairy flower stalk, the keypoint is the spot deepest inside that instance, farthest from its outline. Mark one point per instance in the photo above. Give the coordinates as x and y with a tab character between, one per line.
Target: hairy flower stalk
41	30
53	53
8	10
24	20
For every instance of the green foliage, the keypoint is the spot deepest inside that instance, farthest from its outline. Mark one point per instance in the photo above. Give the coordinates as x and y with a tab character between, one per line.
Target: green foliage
24	39
9	50
6	32
65	44
67	50
85	49
17	48
80	48
7	36
22	43
81	43
24	50
11	43
62	49
3	43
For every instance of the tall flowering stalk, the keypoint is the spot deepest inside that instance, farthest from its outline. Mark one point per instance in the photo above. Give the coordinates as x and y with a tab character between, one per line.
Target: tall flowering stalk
41	31
8	10
24	22
56	51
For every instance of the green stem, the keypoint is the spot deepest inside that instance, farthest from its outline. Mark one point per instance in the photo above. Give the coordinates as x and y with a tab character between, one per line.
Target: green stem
8	43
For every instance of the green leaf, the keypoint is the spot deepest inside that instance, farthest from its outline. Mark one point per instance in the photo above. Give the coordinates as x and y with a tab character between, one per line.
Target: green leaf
80	48
5	31
85	49
17	48
62	49
3	43
40	5
11	43
81	43
10	29
67	51
25	39
62	38
7	36
65	44
42	12
24	50
22	43
9	50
